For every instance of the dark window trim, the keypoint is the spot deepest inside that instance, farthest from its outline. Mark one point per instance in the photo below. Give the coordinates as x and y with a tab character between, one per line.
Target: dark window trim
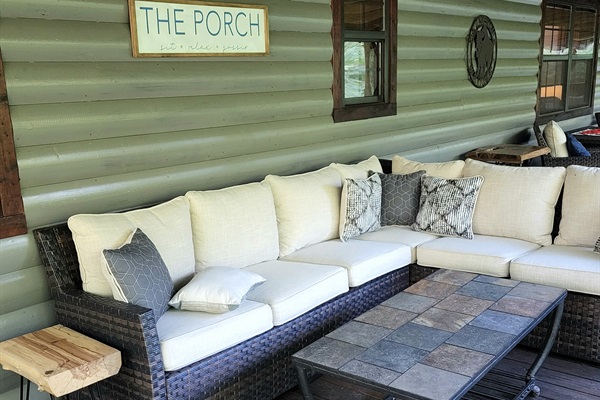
12	213
352	112
579	112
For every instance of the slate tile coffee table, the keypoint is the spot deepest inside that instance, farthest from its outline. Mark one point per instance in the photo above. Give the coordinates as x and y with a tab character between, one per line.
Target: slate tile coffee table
439	339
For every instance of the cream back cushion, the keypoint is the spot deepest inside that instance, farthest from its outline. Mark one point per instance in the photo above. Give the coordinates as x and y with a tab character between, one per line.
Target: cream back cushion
234	227
307	207
359	170
556	139
167	225
580	214
448	169
516	202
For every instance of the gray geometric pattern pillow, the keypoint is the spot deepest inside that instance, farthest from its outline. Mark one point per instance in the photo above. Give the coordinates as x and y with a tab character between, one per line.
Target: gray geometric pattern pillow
400	196
360	207
447	206
141	274
597	246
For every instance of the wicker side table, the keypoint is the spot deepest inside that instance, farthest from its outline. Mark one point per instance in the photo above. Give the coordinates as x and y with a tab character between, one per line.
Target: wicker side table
59	360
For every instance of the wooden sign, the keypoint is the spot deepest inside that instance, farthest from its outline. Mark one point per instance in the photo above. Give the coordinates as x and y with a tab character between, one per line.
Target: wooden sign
183	28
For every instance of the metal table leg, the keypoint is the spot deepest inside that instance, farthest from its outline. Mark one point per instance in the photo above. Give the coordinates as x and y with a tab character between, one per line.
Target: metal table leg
303	380
544	351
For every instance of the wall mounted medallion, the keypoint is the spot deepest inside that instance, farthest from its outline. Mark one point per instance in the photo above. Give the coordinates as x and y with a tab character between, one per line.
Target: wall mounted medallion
482	50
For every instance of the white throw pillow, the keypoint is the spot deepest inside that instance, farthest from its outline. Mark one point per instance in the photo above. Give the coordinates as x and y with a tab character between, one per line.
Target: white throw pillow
360	207
448	169
167	225
216	290
556	139
359	170
307	207
516	202
580	214
234	227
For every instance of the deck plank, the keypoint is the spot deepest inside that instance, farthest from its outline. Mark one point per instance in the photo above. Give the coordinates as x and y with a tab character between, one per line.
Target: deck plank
559	379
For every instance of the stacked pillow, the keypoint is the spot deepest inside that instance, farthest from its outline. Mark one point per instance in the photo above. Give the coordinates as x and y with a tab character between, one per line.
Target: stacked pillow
563	144
429	197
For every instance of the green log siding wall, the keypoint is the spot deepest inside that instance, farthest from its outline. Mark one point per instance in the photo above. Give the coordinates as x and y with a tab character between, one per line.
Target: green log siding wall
97	130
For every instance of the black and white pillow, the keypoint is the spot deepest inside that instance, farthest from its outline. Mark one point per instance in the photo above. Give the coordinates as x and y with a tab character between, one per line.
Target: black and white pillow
400	194
360	207
137	274
447	206
597	246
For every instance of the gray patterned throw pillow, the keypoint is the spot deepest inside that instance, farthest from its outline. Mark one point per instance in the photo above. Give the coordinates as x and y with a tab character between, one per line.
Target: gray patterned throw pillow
360	207
447	206
140	273
400	198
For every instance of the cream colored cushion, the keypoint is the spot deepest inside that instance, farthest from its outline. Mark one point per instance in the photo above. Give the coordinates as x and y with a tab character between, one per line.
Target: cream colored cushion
292	288
399	234
580	215
307	207
167	225
234	227
556	139
516	202
186	337
488	255
359	170
569	267
448	169
362	259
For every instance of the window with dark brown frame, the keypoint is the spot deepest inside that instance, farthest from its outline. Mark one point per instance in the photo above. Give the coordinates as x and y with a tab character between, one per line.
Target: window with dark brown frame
364	58
12	214
568	62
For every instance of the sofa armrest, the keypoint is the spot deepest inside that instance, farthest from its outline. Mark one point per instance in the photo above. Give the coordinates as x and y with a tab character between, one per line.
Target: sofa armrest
126	327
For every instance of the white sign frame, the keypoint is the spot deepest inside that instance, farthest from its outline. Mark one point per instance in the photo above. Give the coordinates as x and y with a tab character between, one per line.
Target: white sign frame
190	28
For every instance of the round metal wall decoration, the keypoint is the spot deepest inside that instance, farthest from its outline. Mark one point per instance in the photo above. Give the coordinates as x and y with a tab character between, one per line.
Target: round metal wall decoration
482	50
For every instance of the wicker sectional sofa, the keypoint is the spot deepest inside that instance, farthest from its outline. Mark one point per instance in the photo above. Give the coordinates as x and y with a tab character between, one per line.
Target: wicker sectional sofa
287	230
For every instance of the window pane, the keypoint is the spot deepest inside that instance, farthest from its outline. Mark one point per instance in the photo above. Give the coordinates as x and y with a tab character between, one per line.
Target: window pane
361	69
583	32
552	85
580	83
556	30
364	15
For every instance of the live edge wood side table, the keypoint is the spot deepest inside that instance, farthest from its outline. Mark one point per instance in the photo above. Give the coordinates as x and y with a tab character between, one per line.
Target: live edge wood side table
59	360
508	153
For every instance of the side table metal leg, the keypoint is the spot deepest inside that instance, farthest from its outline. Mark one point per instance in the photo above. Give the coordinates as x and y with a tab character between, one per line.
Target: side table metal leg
303	380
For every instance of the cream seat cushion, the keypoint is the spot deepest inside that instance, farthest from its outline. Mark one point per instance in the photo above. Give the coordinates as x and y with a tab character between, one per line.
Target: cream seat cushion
363	260
188	336
448	169
292	288
307	207
580	215
556	139
516	202
234	227
401	235
569	267
489	255
167	225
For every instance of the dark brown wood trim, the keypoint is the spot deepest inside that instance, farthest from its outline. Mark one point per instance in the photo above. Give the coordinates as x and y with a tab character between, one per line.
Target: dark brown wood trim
12	213
346	113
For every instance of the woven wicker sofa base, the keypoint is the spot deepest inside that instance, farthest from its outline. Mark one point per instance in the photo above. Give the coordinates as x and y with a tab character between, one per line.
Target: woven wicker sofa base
579	334
257	369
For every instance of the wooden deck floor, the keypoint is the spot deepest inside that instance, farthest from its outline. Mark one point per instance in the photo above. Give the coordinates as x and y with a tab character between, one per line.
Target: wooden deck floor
558	379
